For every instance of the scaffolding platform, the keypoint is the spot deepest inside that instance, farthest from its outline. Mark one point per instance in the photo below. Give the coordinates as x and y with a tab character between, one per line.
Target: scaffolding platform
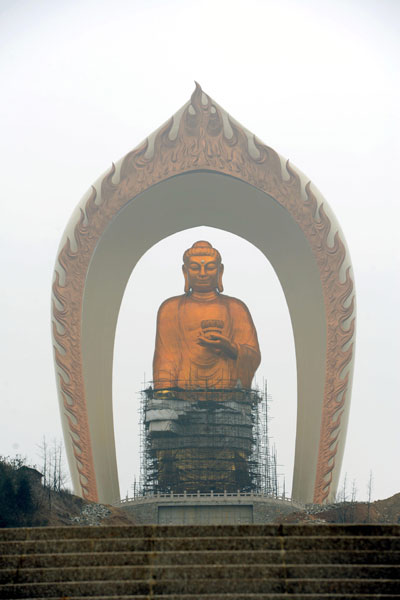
203	440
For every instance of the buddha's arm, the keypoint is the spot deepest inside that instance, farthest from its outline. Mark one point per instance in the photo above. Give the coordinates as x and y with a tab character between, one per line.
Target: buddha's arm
245	338
167	354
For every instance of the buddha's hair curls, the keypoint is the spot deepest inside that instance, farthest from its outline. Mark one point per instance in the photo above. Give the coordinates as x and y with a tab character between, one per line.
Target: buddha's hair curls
201	248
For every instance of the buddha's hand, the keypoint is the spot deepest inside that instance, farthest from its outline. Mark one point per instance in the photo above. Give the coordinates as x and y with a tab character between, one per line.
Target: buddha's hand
219	344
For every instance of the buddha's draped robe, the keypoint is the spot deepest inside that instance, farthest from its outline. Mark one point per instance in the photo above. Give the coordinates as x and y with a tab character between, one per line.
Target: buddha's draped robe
179	361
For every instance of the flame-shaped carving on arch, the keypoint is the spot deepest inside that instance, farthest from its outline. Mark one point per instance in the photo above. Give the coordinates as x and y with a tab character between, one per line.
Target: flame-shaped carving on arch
203	138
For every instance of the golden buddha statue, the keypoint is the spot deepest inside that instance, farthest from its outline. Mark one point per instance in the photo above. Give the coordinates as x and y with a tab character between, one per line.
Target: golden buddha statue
204	338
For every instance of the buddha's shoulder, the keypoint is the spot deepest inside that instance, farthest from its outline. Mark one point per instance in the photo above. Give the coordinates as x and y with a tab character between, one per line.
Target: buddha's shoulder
170	304
234	303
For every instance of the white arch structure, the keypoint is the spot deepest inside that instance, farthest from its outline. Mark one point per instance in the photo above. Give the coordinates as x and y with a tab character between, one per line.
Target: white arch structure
203	168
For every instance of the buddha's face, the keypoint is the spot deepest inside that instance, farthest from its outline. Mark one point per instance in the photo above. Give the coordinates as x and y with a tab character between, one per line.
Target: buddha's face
203	273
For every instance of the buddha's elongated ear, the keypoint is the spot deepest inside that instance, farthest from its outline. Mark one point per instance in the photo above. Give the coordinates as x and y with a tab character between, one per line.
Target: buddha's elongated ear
186	276
220	287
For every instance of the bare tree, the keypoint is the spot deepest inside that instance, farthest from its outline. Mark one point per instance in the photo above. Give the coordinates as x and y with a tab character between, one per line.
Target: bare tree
43	453
370	486
342	500
353	501
54	476
44	456
341	496
58	477
354	491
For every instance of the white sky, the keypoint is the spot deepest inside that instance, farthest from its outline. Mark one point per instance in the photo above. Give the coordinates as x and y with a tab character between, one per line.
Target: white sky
85	81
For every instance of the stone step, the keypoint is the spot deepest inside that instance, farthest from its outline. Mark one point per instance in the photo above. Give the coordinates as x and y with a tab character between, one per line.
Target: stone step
179	531
229	596
209	563
186	544
233	573
377	543
201	586
231	557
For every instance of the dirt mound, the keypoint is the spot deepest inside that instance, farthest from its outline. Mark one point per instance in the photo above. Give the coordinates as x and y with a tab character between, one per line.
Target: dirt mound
389	509
63	508
380	511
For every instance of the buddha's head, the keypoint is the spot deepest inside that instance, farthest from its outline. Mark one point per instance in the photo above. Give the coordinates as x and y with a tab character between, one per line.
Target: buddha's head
202	268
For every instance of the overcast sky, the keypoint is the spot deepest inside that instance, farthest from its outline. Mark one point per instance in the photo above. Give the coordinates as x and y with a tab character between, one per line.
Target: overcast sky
83	82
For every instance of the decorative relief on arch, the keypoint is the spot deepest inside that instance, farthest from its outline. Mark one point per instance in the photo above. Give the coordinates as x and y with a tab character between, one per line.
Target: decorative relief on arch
204	137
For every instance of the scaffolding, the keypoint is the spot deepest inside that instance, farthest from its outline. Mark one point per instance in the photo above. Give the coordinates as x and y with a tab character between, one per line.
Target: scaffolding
206	440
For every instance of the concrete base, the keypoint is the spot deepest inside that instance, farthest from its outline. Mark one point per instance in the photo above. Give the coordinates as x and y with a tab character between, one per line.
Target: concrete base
207	509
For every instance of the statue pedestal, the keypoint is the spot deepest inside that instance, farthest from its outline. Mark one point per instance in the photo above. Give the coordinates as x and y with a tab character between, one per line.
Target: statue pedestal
207	509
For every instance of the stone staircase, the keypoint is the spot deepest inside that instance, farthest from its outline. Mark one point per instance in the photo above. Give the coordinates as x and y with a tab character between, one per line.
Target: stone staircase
201	562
